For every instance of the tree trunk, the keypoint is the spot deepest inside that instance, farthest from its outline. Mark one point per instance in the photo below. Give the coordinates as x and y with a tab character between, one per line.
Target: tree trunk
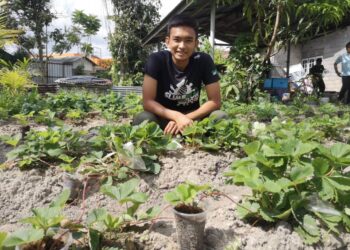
274	34
41	57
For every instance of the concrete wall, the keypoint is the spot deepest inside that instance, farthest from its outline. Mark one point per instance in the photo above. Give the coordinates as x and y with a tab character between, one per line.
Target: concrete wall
329	47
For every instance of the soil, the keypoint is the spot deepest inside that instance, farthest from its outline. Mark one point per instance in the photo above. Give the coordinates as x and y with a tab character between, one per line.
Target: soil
182	208
20	191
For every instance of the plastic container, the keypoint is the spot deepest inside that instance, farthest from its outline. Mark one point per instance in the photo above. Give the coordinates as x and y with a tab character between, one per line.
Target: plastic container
324	100
190	230
72	183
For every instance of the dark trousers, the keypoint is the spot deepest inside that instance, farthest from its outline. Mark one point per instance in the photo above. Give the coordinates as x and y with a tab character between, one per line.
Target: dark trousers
318	84
345	89
145	115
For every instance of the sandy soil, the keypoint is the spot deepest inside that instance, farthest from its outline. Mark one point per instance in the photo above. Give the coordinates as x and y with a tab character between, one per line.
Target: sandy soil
22	190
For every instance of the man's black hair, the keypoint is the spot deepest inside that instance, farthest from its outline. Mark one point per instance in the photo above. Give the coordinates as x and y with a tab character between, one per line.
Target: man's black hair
319	60
347	45
182	20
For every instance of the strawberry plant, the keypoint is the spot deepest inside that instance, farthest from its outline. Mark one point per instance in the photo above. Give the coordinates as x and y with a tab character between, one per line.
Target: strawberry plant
100	221
331	126
59	145
302	182
46	223
110	105
185	197
213	135
145	141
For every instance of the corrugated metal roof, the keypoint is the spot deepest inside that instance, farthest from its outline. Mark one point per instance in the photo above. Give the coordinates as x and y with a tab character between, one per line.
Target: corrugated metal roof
229	20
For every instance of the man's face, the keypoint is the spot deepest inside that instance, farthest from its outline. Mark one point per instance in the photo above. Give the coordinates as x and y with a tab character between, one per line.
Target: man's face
181	42
348	50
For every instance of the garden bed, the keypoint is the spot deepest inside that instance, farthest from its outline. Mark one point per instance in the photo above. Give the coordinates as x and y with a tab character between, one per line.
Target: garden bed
20	191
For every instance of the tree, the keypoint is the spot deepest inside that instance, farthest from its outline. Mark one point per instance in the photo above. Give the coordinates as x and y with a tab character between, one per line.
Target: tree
6	35
274	22
83	26
33	16
133	21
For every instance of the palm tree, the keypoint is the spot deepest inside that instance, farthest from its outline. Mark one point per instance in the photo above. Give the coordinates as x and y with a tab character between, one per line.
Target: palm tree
7	36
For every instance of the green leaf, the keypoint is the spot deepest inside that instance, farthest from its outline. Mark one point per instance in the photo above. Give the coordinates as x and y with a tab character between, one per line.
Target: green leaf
340	182
94	239
340	150
66	158
3	236
135	197
304	148
310	225
332	222
252	148
172	197
272	186
328	191
300	174
347	211
61	200
149	214
13	141
307	238
266	215
122	190
96	215
54	152
24	236
247	209
321	166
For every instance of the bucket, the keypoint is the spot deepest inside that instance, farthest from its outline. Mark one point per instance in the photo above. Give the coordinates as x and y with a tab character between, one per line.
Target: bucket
190	230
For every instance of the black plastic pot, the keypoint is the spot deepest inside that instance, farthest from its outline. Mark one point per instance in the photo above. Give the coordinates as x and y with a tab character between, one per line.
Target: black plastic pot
190	230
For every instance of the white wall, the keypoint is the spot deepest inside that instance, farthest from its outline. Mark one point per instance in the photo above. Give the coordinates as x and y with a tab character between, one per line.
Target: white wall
88	66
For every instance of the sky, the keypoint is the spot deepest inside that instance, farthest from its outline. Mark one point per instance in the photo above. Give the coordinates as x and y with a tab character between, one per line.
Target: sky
65	8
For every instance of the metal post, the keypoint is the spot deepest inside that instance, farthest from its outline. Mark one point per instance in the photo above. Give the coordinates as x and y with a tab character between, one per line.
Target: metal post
288	59
212	27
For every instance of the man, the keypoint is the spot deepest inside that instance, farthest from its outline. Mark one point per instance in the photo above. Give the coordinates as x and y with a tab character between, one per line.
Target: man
173	79
345	74
317	79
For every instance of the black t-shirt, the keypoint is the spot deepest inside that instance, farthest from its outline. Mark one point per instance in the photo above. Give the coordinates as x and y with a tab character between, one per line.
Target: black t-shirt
180	90
317	69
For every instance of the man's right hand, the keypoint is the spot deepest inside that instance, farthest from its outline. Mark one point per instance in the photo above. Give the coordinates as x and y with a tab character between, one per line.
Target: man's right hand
182	121
178	126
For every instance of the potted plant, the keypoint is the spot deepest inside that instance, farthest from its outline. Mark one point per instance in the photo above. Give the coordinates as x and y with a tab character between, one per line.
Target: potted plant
189	216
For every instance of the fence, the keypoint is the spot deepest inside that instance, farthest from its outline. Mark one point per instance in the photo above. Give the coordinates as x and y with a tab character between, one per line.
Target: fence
125	90
54	72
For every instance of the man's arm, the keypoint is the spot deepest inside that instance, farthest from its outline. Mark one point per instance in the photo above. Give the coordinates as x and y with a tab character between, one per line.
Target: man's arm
150	104
213	103
336	68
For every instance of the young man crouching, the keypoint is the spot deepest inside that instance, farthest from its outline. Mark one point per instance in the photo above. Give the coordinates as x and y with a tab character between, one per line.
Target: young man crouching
173	80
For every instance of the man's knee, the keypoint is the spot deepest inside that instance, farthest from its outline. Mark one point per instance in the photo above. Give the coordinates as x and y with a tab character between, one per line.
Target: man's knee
144	116
219	115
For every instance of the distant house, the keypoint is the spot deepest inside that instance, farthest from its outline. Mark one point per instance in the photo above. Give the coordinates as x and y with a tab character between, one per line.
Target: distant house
60	66
81	65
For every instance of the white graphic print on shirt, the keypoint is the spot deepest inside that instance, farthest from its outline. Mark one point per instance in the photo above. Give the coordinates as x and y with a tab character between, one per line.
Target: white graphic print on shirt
183	93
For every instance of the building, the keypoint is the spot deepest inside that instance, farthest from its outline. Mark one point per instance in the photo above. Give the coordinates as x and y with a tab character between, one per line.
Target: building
328	47
66	65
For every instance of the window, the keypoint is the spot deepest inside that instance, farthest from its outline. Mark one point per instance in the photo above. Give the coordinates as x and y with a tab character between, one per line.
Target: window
307	63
